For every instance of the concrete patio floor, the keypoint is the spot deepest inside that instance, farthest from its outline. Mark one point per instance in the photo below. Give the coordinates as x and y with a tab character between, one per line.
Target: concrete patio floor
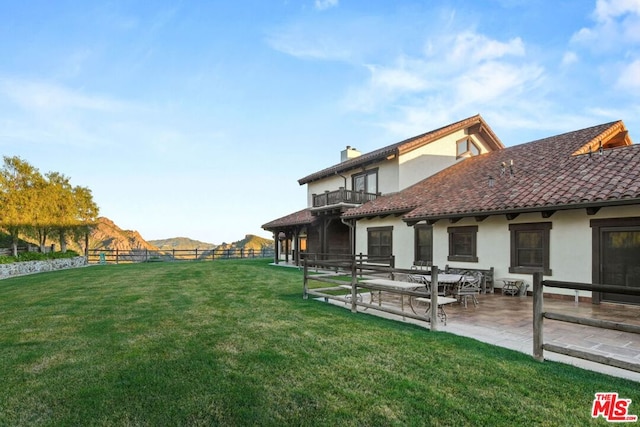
506	321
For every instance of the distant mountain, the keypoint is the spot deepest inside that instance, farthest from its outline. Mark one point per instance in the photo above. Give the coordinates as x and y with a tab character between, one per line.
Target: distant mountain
181	243
250	241
107	235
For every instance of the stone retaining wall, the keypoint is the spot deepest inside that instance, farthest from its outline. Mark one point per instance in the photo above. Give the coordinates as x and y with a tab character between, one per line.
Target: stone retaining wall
31	267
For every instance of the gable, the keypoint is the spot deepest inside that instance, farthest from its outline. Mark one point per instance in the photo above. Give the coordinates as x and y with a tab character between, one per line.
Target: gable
474	125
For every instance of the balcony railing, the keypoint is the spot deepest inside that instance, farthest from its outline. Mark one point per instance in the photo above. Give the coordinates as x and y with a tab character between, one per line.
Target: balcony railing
329	198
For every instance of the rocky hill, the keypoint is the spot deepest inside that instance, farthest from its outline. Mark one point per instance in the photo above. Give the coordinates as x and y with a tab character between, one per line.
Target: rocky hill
250	241
107	235
180	243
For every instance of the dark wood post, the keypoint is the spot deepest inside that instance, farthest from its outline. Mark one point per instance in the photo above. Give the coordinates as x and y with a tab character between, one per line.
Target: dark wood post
117	257
354	285
305	283
538	333
434	298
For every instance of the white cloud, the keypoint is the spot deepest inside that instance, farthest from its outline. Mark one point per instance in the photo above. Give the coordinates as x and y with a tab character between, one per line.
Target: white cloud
476	48
569	58
630	77
617	23
457	76
607	10
303	43
325	4
38	95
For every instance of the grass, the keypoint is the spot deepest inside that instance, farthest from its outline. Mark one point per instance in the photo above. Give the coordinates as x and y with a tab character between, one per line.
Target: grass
233	343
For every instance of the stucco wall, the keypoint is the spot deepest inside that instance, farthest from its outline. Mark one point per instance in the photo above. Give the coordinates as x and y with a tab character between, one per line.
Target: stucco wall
31	267
570	243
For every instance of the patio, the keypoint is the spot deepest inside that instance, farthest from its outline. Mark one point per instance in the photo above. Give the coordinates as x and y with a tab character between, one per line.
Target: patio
506	321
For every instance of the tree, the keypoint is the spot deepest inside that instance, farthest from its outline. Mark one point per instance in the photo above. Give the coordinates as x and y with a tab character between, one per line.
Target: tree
18	195
86	212
42	207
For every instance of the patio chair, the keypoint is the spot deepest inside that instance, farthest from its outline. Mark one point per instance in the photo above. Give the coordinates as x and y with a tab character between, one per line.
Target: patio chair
468	286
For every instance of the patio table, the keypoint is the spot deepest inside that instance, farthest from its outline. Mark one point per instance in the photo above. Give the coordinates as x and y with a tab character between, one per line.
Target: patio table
511	286
391	285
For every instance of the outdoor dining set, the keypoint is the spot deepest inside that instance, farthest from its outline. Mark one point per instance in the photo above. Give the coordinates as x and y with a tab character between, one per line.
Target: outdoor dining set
452	287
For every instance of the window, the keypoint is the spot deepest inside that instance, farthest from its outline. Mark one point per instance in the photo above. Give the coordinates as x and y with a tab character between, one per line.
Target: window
462	243
379	241
423	253
466	148
530	248
366	181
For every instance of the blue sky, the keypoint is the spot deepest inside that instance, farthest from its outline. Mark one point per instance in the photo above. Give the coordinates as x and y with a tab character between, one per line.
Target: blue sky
196	118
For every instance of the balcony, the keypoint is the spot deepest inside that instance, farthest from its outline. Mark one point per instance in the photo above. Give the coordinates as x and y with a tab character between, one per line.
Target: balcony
340	200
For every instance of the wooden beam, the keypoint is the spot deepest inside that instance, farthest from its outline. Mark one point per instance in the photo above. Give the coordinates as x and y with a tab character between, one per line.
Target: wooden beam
481	218
547	214
511	216
454	220
592	211
431	221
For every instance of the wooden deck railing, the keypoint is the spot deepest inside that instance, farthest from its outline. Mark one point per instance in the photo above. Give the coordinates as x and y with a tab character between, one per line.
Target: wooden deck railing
342	195
539	315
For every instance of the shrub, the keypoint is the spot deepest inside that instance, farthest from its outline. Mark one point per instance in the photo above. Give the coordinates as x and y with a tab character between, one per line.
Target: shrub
31	256
4	259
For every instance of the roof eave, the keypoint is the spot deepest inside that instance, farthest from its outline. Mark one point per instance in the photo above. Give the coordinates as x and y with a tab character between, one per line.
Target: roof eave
533	209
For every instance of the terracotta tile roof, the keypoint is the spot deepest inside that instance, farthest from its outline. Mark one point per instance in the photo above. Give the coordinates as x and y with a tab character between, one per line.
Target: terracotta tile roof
546	177
405	146
297	218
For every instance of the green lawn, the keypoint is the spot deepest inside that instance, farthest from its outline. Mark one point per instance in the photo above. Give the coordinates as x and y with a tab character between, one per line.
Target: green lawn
233	343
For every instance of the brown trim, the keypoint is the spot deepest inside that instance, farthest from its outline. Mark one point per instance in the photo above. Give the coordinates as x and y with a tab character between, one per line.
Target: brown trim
533	209
596	228
545	227
385	228
365	173
416	250
473	257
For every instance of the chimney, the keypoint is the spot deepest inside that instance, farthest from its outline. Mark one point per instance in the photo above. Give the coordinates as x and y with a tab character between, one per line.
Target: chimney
349	153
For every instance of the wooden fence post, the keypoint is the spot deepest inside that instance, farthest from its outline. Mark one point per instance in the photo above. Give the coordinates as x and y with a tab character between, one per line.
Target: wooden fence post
538	333
434	298
305	284
354	283
117	257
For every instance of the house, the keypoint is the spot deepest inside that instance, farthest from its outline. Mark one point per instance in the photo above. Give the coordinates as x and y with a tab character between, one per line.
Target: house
567	205
360	178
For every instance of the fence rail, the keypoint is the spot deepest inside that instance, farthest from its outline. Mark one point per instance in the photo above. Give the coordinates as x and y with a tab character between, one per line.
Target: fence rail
345	273
104	256
539	315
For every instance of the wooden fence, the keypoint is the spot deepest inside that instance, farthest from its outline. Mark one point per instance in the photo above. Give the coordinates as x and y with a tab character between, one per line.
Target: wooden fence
104	256
345	274
539	315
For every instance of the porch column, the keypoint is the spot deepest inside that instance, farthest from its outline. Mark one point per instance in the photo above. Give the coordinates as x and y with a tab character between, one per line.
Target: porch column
276	248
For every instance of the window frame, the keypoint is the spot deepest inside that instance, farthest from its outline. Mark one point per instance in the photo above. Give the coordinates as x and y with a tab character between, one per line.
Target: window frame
468	151
365	175
418	245
453	232
545	229
380	230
